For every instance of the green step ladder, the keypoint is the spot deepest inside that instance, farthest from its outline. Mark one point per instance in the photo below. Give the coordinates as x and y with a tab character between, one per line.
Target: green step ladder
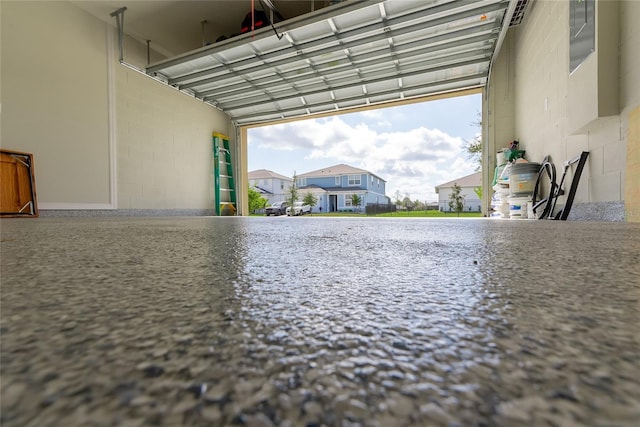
224	184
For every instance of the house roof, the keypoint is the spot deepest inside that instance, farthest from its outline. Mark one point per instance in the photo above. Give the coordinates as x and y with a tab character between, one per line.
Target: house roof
473	180
337	170
266	174
263	191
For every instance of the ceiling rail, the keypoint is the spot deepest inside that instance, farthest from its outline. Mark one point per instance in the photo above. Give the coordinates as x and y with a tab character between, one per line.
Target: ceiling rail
119	15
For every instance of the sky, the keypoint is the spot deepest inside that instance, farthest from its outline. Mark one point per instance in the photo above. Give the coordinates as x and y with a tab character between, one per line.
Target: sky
412	147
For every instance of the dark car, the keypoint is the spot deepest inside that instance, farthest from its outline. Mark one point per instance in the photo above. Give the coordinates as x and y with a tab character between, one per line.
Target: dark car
278	208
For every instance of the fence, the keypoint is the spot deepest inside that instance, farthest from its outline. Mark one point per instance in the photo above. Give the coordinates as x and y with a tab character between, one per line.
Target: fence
377	208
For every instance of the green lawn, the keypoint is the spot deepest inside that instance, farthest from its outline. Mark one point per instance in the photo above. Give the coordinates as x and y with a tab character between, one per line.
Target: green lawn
429	214
403	214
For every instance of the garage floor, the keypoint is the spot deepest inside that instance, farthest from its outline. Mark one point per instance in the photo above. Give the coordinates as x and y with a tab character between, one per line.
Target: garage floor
319	321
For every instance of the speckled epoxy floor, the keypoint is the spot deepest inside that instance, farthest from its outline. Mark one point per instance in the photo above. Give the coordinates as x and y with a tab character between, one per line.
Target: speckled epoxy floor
318	321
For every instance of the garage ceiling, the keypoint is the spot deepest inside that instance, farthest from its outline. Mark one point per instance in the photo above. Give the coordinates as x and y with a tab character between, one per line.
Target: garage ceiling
352	54
175	26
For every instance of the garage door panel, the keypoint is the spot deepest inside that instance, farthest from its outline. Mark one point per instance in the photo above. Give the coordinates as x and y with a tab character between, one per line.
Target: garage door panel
365	52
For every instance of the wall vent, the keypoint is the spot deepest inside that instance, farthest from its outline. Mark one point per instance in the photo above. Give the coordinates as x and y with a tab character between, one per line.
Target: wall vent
519	12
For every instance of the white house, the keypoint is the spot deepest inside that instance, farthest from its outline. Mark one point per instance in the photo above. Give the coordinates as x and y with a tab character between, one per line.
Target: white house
273	186
468	185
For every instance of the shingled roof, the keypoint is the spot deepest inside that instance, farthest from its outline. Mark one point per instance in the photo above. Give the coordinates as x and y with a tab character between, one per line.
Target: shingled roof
266	174
473	180
337	170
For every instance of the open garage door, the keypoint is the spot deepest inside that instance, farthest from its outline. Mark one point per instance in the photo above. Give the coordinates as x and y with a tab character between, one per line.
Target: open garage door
352	54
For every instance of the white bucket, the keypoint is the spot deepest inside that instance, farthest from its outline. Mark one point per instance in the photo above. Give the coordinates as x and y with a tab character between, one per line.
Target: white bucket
518	207
530	213
500	158
503	174
503	210
503	191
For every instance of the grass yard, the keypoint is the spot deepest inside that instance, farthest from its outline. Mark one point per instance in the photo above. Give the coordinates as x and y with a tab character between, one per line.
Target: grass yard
400	214
405	214
430	214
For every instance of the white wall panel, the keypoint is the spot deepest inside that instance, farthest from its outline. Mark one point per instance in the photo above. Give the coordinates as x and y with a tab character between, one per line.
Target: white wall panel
54	99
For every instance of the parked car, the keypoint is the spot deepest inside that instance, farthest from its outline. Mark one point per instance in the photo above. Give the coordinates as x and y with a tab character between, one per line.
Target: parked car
299	208
278	208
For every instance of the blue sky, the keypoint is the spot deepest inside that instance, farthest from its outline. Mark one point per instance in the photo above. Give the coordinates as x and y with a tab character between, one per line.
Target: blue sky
413	147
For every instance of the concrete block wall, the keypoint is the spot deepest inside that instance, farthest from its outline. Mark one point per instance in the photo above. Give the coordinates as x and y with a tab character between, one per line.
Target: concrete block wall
165	157
539	55
164	146
541	58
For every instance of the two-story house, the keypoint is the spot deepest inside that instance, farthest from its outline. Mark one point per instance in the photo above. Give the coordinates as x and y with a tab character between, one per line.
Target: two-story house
334	186
272	186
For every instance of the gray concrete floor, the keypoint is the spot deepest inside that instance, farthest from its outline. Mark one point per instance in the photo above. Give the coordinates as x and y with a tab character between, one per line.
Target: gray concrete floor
318	321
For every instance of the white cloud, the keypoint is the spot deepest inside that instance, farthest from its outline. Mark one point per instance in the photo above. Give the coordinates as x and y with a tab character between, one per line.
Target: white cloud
412	162
378	117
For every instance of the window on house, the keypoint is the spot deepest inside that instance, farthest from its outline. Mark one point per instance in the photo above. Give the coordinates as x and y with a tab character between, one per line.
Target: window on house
282	185
337	180
347	200
354	179
302	182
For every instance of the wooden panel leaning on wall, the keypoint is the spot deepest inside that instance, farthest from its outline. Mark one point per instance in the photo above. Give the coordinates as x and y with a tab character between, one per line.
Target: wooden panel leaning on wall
17	185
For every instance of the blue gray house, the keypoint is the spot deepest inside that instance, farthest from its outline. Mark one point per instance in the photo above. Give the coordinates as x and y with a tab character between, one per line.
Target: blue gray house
333	186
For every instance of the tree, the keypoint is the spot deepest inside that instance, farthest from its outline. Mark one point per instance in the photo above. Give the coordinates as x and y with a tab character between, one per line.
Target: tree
407	203
397	196
355	200
310	199
292	195
478	191
456	200
473	147
256	201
